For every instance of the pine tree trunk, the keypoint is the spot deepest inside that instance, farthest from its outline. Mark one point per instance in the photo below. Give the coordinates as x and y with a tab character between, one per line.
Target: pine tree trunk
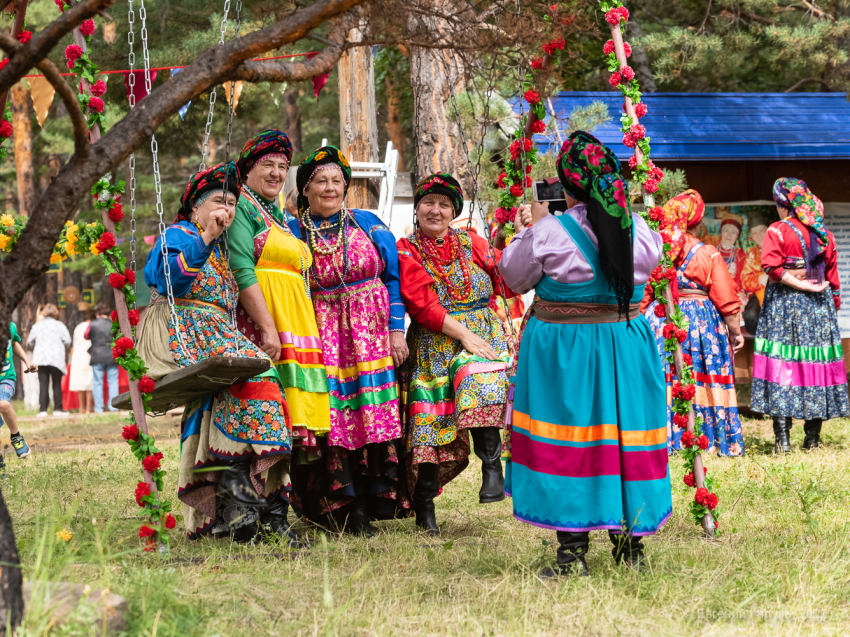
395	130
639	59
433	73
293	119
23	148
11	597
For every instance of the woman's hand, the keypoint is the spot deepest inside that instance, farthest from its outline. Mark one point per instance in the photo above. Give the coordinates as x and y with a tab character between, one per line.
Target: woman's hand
271	344
539	210
803	285
733	330
30	368
523	218
399	347
477	346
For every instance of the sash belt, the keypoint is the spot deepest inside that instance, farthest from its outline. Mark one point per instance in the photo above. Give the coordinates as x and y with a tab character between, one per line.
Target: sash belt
693	294
580	313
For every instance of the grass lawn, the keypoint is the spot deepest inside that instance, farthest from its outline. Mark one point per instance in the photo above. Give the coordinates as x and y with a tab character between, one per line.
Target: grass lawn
781	565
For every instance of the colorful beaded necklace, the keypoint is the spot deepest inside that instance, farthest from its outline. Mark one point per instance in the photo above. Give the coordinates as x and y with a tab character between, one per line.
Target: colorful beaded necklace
457	257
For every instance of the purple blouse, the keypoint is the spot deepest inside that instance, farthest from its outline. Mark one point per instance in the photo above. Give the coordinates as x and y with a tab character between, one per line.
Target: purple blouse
546	248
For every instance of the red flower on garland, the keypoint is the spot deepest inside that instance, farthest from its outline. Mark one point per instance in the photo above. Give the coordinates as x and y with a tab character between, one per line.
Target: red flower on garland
680	421
627	72
146	385
538	126
660	310
133	315
130	432
627	49
146	531
170	522
73	52
650	185
117	281
516	148
615	79
624	13
656	213
121	346
96	104
628	140
690	480
638	131
6	129
670	274
608	49
633	162
143	489
98	88
688	360
517	190
116	213
107	242
613	17
151	463
114	316
87	28
537	63
688	439
640	109
531	96
681	335
505	216
130	276
684	392
3	63
60	4
702	442
554	45
668	332
706	498
24	37
500	182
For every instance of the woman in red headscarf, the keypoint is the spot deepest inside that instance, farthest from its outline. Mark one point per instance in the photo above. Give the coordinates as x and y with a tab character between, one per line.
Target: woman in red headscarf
707	294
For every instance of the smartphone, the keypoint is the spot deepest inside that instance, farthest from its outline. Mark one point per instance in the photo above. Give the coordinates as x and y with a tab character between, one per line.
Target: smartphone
553	193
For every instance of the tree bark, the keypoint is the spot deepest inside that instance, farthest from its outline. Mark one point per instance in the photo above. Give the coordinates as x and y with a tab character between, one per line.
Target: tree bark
293	118
395	130
358	128
639	60
11	597
24	168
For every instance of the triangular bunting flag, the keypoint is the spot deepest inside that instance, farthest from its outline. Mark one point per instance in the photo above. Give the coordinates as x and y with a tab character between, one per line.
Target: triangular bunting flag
319	81
185	107
41	92
139	89
237	89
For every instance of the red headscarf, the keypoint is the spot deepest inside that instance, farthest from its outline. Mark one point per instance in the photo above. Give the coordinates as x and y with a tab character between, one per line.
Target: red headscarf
680	213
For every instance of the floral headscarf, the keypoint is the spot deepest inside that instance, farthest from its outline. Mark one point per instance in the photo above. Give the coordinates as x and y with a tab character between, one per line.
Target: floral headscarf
314	162
269	142
440	184
590	172
683	211
222	176
794	195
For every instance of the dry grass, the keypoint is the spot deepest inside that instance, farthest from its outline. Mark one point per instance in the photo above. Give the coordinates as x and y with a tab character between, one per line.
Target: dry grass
781	566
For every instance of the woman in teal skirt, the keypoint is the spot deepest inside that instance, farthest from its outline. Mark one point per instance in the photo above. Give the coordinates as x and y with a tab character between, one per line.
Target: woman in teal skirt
588	439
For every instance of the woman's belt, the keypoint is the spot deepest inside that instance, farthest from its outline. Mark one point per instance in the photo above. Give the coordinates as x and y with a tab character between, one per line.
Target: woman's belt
692	294
478	306
580	313
264	265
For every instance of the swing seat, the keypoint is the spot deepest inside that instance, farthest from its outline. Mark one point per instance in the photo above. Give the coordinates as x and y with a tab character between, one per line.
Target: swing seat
187	385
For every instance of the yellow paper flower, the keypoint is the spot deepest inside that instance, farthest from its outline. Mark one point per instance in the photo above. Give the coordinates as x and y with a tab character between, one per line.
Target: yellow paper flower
68	223
7	220
69	248
93	249
55	258
4	240
90	225
65	535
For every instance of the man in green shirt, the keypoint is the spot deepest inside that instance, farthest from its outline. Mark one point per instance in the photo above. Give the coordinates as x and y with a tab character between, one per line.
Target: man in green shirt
7	390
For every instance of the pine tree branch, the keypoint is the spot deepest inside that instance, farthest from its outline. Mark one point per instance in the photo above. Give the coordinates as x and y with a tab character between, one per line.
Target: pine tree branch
797	85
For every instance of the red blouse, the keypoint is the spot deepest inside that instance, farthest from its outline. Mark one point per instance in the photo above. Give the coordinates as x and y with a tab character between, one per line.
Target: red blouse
420	299
780	242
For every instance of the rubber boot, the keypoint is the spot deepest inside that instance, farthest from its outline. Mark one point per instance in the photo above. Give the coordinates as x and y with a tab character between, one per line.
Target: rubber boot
628	550
236	482
488	447
812	429
572	549
427	488
358	519
782	433
274	519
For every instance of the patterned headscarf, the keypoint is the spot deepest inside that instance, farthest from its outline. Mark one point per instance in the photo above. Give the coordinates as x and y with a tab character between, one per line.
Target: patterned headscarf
683	211
590	172
794	195
440	184
312	164
218	177
269	142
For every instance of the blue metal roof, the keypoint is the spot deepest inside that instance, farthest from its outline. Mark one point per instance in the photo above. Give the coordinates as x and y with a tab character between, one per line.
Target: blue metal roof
726	126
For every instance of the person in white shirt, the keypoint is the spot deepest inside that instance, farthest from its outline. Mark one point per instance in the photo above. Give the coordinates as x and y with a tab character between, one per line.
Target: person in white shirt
51	339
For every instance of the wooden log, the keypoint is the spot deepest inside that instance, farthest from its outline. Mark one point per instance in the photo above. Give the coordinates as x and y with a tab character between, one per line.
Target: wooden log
24	169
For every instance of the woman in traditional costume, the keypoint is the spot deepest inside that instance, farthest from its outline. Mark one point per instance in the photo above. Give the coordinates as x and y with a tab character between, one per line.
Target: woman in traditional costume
360	314
243	430
458	354
798	369
271	267
709	299
588	441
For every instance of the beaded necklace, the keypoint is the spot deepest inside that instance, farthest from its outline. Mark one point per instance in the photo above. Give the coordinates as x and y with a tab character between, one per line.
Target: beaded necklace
325	247
437	263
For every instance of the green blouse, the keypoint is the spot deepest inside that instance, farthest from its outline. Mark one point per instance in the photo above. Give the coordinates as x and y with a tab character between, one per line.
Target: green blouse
247	225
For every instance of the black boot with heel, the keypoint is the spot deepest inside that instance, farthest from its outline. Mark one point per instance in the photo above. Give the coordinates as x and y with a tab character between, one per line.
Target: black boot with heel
274	520
812	429
427	488
358	519
236	482
782	434
572	549
628	550
487	444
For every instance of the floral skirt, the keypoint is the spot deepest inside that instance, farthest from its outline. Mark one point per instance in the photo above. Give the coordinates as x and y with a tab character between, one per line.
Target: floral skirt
714	372
798	367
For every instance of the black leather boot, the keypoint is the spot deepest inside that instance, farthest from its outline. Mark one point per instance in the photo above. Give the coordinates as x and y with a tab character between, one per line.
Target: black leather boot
236	483
488	447
628	550
782	433
812	429
358	519
572	549
274	520
427	488
246	534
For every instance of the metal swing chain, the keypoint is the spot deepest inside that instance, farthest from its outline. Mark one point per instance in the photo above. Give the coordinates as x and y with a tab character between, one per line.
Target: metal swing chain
131	38
208	128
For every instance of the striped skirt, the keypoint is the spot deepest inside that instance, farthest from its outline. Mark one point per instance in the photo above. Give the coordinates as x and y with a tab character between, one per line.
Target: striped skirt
588	442
798	368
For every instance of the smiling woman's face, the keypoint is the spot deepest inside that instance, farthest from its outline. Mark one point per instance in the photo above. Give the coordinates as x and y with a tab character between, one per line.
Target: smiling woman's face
435	213
326	192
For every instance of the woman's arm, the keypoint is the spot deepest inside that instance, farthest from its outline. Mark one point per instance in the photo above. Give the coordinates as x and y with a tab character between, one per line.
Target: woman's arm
803	285
254	303
733	325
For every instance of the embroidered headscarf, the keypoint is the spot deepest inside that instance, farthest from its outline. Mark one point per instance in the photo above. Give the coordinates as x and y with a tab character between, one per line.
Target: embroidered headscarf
319	159
794	195
590	172
440	184
683	211
269	142
220	177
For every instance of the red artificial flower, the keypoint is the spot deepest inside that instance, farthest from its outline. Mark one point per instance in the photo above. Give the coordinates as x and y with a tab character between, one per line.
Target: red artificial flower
146	531
628	73
150	463
505	216
660	310
633	162
656	213
170	522
688	360
681	335
517	190
651	185
690	480
133	315
624	13
613	17
702	442
60	4
706	498
615	79
107	242
516	148
531	96
500	182
528	171
130	276
668	332
684	392
680	421
640	109
121	346
142	489
537	63
24	37
638	131
627	49
130	432
98	88
73	52
538	126
96	104
146	385
117	281
628	140
114	316
688	439
6	129
116	213
665	236
3	63
670	274
608	49
87	28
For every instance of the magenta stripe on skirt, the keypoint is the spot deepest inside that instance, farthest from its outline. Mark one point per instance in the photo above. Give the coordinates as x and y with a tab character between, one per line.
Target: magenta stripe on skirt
797	374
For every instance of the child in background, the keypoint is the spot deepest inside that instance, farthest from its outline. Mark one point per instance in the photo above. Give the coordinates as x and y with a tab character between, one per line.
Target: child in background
7	390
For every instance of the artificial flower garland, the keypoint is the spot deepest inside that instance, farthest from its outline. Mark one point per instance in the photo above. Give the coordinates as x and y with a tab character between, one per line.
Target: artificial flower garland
675	332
